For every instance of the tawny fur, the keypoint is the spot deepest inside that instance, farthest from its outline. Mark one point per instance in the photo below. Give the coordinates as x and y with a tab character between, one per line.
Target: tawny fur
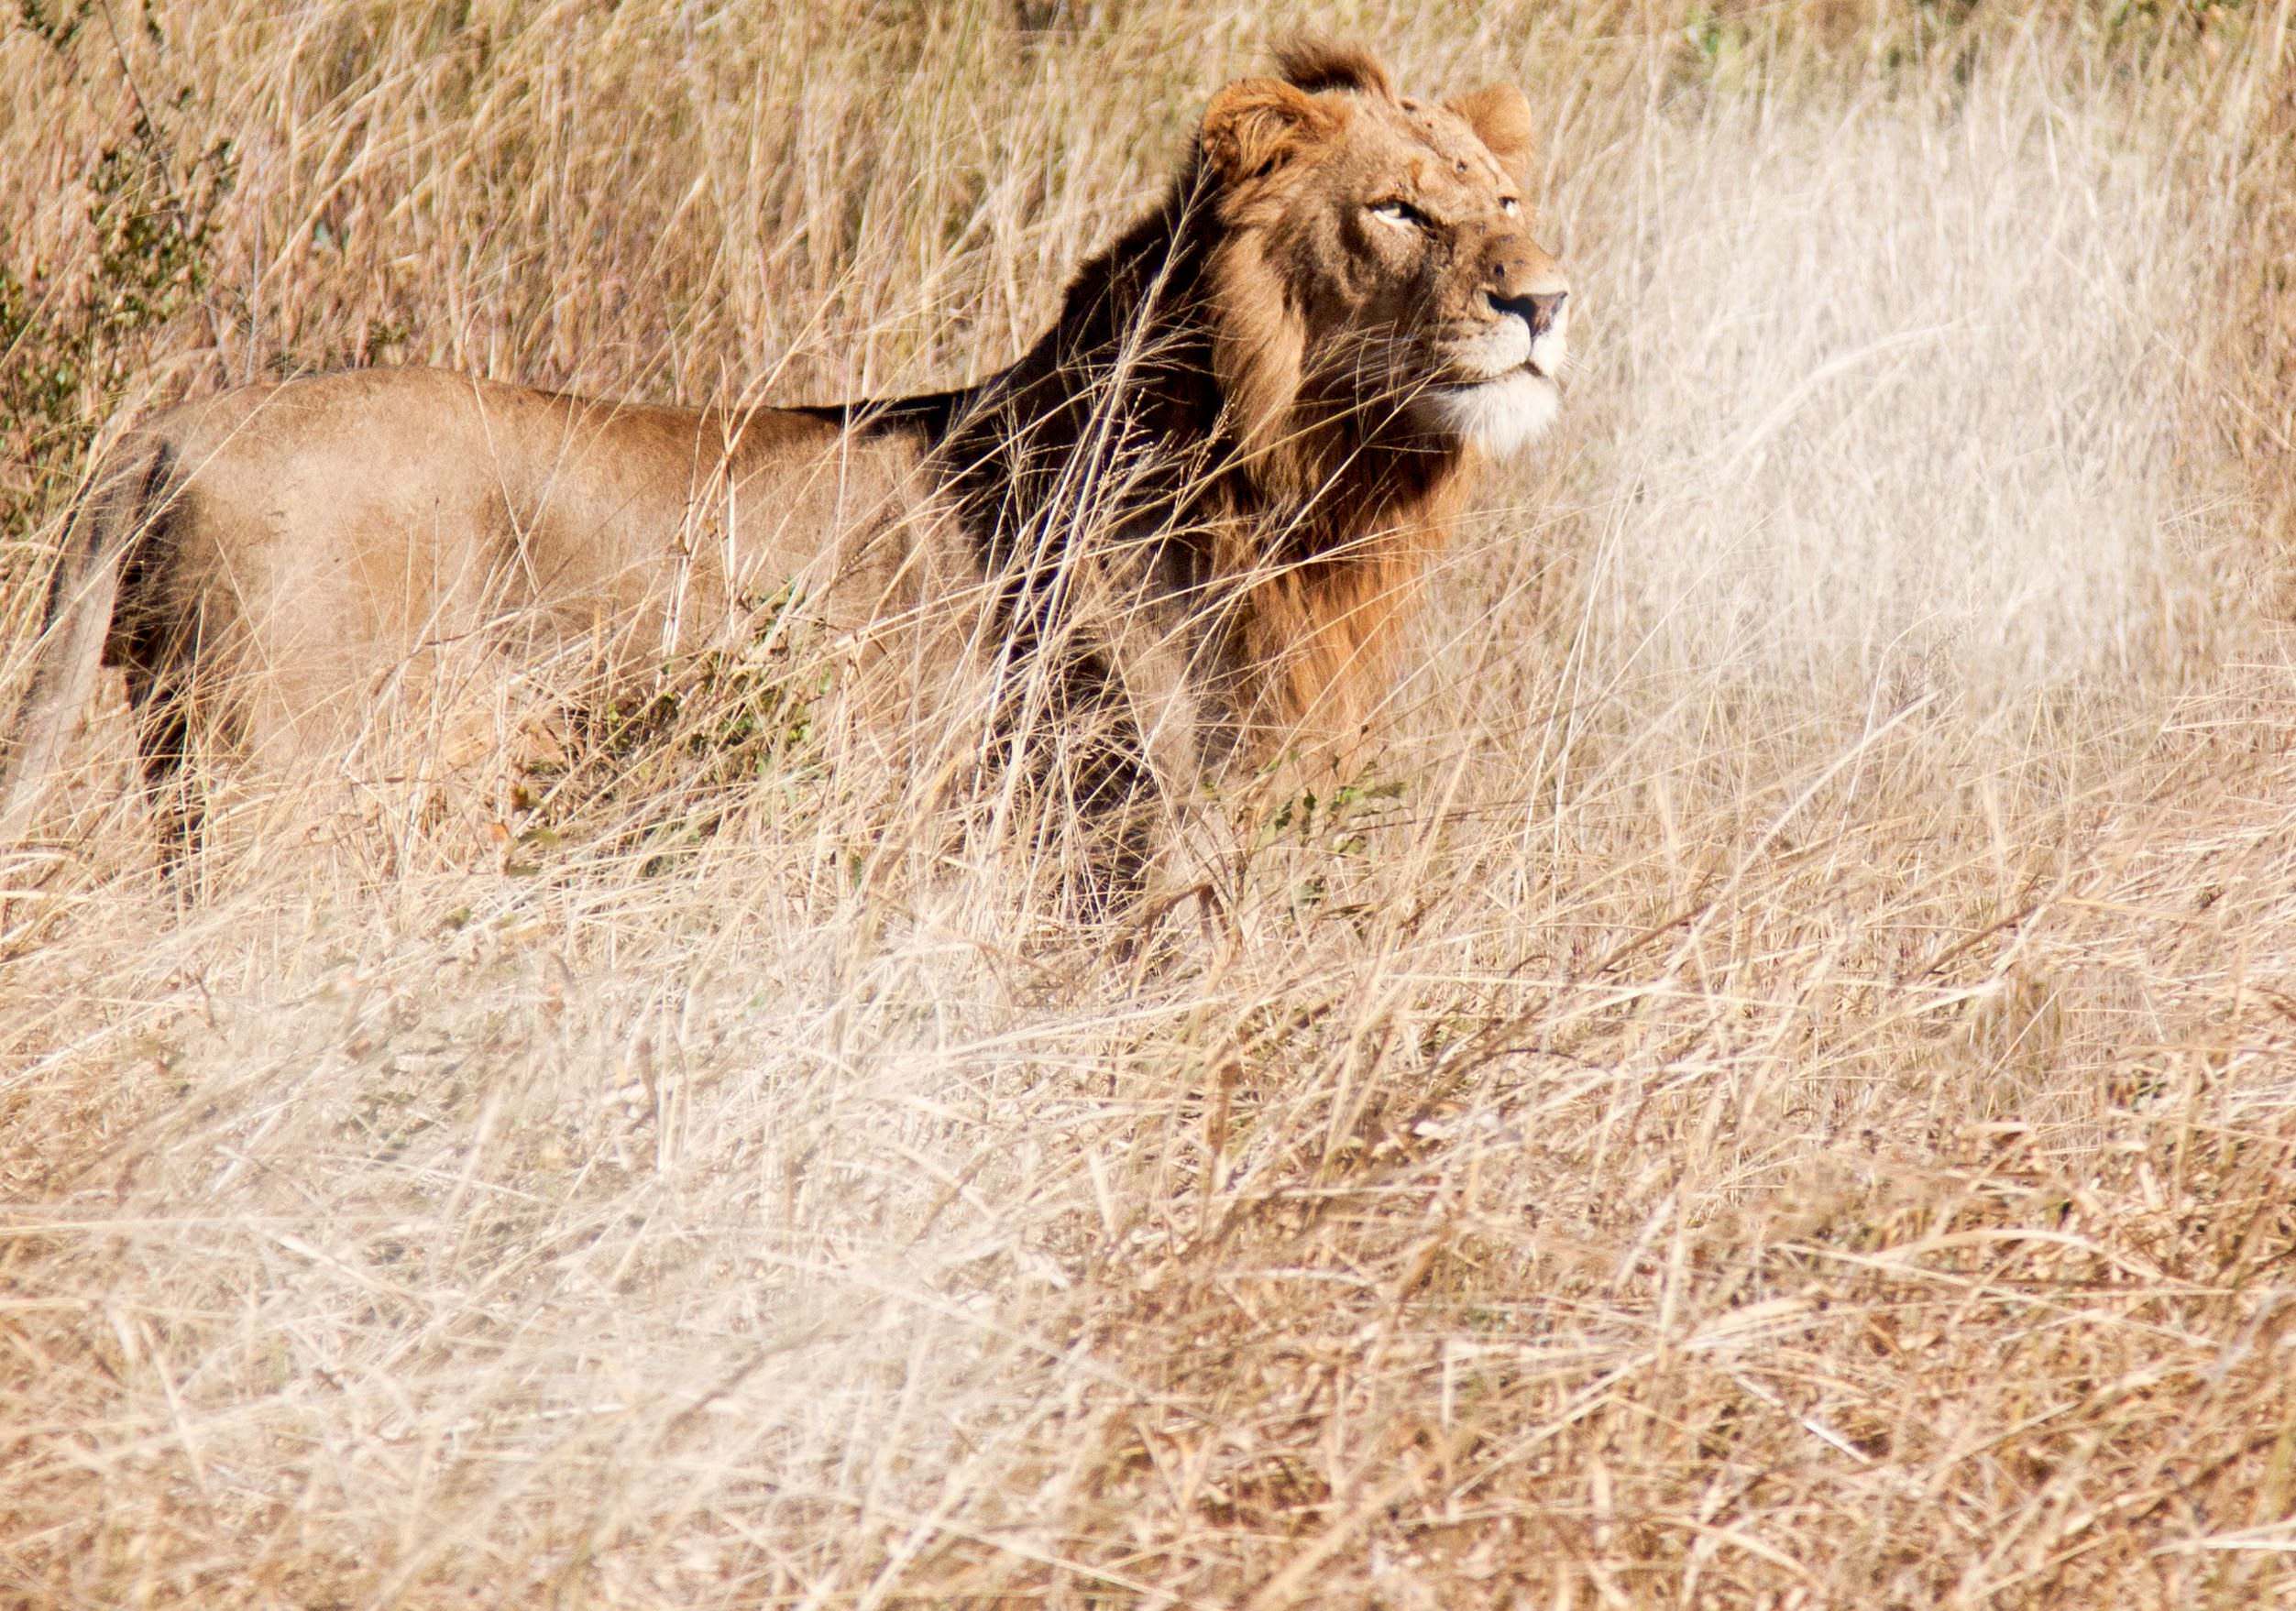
1240	430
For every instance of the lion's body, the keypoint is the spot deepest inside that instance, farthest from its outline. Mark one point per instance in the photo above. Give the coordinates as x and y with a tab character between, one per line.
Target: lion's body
301	542
1227	463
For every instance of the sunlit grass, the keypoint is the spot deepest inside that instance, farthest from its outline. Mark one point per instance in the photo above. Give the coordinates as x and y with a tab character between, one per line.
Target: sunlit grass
1772	1088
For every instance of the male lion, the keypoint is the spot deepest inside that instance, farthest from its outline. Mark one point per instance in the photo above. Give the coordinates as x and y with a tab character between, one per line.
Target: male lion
1233	454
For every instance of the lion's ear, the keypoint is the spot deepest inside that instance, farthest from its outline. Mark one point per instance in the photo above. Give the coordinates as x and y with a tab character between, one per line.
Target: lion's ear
1255	125
1500	118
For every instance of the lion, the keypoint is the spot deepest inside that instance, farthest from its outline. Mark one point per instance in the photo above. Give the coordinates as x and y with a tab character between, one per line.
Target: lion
1232	457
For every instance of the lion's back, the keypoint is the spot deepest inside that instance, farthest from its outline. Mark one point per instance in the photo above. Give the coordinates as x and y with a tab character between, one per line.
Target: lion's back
324	536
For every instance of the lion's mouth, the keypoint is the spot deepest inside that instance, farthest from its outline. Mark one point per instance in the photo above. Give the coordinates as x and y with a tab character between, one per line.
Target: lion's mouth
1529	366
1496	411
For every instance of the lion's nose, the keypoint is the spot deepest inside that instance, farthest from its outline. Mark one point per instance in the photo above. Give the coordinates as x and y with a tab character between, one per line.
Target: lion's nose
1538	311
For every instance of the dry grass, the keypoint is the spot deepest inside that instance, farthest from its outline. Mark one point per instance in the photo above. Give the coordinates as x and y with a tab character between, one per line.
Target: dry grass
1787	1098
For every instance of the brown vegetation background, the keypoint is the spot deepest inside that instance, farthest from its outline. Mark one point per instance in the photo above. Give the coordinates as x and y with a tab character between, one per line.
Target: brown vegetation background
1779	1089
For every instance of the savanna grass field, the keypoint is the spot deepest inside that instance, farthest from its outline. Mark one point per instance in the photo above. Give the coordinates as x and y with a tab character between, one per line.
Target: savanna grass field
1775	1086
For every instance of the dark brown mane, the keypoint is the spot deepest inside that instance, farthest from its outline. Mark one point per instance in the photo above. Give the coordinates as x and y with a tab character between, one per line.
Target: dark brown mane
1313	64
1169	409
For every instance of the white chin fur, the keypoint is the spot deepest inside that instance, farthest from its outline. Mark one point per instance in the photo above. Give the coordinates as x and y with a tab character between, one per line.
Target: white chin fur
1499	417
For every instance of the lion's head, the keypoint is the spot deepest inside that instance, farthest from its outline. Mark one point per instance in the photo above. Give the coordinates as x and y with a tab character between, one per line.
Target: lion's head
1376	250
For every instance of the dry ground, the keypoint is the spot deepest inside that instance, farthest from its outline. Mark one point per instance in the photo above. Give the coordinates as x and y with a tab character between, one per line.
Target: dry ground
1782	1091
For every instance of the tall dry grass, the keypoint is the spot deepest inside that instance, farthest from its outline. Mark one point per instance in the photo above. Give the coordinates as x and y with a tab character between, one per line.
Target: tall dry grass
1774	1092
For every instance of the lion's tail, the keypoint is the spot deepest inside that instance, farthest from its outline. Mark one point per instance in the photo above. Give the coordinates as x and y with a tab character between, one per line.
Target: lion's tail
114	514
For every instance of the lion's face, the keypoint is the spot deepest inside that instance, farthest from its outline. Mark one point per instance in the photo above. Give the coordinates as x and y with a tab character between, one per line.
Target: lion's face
1397	235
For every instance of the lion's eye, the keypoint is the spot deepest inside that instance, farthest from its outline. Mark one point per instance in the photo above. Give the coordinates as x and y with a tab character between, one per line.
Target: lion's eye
1395	209
1510	205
